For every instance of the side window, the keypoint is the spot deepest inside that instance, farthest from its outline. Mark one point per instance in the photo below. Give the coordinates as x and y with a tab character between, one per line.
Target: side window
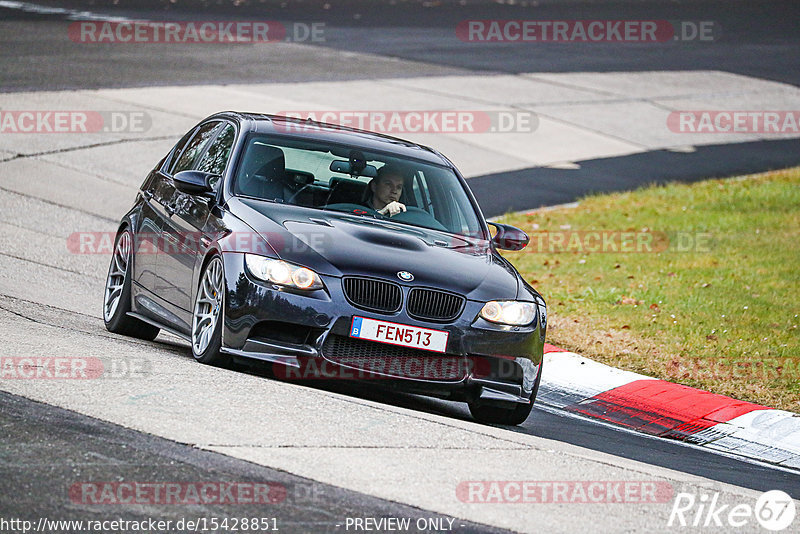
459	223
176	151
417	192
216	157
420	189
194	147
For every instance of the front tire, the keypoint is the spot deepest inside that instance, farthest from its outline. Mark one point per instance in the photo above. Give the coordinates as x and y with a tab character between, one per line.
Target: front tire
514	414
117	297
208	315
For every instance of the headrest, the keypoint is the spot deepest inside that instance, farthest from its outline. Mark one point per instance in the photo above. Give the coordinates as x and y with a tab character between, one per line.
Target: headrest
264	160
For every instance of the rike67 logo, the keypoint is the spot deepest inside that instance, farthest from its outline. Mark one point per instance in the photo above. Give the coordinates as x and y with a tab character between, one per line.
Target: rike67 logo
774	510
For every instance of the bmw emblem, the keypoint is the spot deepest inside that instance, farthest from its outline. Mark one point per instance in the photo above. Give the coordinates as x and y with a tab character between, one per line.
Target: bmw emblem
405	276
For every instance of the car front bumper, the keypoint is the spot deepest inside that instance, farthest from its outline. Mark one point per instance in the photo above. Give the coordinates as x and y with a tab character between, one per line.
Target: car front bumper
310	330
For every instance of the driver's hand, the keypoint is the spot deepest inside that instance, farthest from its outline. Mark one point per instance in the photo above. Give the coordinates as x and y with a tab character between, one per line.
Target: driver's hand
392	208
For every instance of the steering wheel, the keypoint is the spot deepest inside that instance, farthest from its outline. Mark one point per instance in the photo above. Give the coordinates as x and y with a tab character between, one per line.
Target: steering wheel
291	198
418	216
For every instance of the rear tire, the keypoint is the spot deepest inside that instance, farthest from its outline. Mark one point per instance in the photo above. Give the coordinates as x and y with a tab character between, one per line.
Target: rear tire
207	318
514	414
117	296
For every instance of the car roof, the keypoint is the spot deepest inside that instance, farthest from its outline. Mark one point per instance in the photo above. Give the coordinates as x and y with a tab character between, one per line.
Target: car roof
333	133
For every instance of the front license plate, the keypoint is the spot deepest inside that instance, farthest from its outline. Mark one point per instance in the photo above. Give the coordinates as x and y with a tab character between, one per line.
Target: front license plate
399	334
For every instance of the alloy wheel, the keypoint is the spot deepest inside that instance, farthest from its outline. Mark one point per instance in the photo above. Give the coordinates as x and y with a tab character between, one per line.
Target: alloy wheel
207	306
116	275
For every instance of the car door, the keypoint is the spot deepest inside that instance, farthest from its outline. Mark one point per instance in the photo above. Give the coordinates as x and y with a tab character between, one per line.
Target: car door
147	234
164	194
186	224
149	224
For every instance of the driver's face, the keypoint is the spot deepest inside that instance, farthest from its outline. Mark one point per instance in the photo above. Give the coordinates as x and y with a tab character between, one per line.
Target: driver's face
386	190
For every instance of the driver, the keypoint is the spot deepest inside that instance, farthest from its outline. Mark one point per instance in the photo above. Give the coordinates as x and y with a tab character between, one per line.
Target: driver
383	192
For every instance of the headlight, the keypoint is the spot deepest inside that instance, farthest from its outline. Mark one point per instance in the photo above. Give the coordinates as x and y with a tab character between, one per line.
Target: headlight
281	272
510	312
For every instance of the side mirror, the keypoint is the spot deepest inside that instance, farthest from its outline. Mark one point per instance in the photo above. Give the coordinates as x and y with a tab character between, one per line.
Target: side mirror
509	237
195	182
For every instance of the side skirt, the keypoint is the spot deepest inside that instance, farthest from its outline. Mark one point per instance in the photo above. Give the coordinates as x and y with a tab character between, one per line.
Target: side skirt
155	323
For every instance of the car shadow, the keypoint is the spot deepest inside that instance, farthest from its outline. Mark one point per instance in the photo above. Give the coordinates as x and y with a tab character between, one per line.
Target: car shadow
551	424
369	391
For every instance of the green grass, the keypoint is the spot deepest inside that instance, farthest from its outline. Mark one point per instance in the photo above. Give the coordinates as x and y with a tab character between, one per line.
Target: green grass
721	316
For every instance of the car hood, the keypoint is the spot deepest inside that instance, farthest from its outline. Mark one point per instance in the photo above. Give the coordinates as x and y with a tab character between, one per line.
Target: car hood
339	244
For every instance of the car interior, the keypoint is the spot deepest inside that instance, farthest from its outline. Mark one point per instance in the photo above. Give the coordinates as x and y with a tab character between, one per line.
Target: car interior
338	179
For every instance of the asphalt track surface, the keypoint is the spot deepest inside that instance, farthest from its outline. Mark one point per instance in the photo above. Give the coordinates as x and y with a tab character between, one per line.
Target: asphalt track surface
757	39
49	445
45	449
753	38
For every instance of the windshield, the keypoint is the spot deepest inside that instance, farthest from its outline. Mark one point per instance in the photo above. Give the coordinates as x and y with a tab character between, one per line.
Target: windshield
356	181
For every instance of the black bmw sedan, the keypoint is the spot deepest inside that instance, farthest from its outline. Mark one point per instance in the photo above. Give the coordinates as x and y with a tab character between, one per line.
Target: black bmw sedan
329	252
